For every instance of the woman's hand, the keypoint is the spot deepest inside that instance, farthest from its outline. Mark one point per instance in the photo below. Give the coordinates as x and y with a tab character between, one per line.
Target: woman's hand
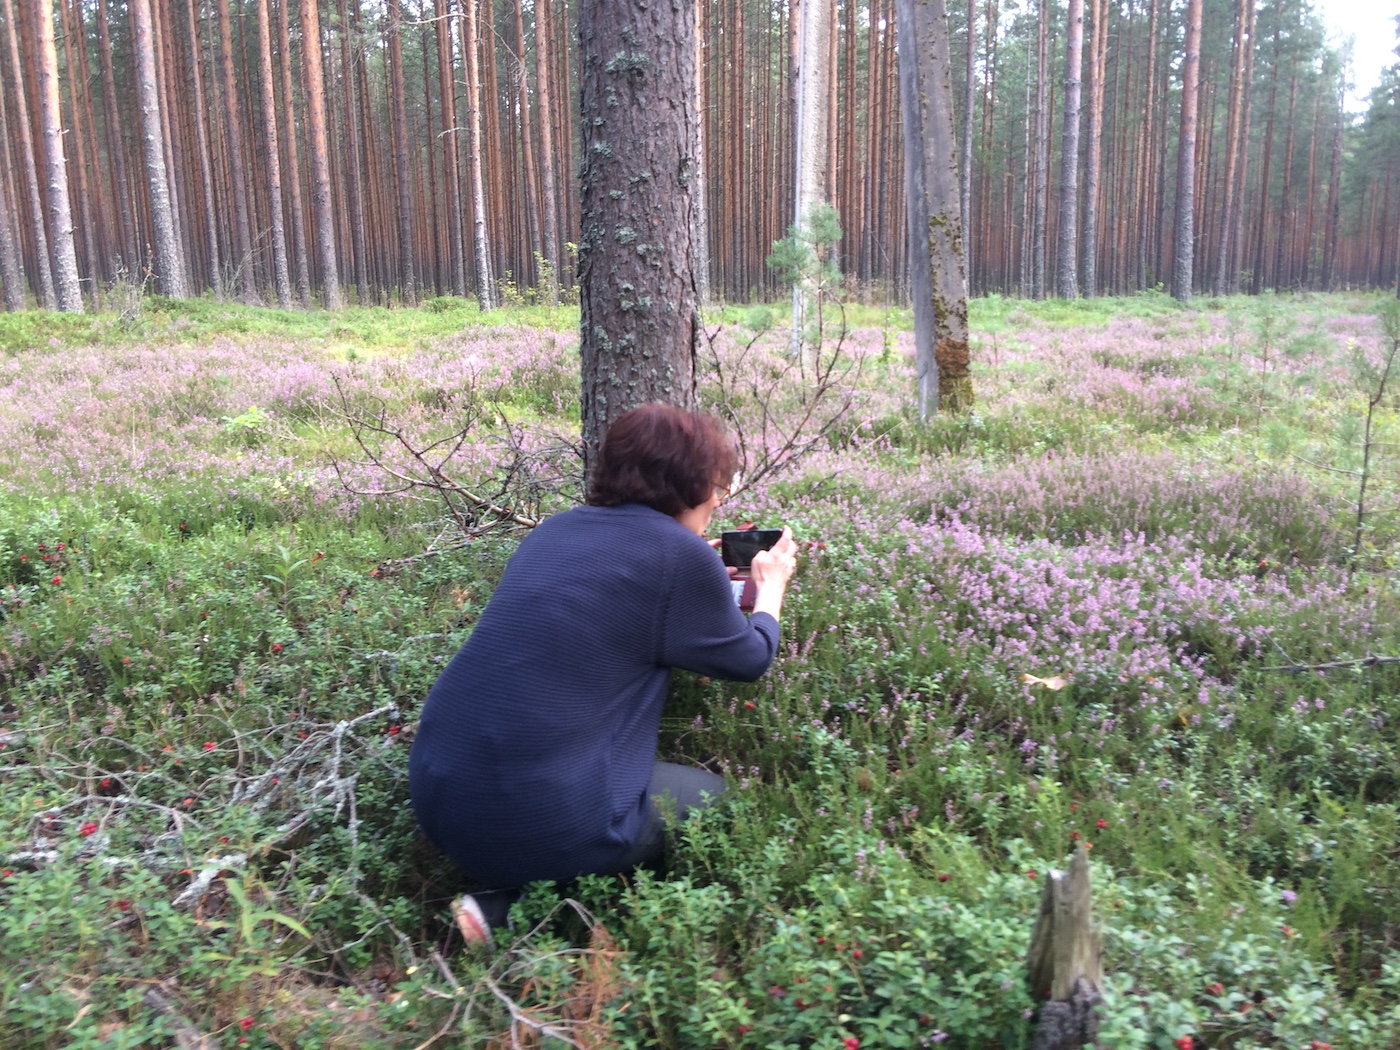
772	569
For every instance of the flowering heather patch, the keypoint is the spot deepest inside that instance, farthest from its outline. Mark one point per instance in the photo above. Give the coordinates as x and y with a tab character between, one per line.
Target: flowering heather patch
1070	618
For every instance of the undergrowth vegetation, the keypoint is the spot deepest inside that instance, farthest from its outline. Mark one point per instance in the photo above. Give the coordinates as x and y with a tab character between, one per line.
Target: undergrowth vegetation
1121	602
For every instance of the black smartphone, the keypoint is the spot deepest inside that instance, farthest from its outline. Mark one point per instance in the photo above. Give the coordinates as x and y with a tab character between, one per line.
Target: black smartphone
738	546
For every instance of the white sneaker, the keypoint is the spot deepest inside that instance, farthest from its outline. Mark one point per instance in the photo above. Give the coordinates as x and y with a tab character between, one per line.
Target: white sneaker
476	931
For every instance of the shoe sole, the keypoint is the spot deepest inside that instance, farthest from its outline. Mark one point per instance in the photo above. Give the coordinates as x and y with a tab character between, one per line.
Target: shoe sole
472	922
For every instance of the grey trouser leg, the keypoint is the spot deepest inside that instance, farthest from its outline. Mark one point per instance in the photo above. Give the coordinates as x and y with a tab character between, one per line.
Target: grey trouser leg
675	791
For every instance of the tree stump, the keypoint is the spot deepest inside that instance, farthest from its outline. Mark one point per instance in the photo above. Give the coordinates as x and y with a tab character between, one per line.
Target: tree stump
1065	960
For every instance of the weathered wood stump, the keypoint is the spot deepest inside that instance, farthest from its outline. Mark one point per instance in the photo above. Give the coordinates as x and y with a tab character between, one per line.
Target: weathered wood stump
1065	960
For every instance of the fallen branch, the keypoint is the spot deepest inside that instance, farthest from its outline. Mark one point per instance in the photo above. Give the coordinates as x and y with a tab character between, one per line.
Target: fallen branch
1334	665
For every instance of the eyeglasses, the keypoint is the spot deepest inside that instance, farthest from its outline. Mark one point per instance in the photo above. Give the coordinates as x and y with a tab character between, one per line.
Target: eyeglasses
721	493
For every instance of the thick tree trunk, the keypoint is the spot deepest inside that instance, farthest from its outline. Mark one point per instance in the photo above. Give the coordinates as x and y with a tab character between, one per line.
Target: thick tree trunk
527	154
320	162
170	276
65	257
640	324
934	208
43	266
1186	157
244	276
1067	275
282	278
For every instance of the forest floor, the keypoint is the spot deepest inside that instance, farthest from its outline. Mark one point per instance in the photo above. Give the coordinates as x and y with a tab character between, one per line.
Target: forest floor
1089	611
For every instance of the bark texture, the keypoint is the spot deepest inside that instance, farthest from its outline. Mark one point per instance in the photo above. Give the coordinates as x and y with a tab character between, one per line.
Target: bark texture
1067	273
320	163
640	323
65	256
169	273
1185	241
939	284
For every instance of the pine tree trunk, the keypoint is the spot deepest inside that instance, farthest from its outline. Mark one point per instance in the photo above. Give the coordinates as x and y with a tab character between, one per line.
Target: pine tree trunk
349	63
1221	284
447	80
1145	160
1186	157
1305	277
408	288
301	262
934	208
549	214
74	44
65	257
700	236
481	249
1283	216
320	162
1334	199
11	264
244	276
206	168
130	254
1042	151
1067	277
1257	278
969	96
1098	57
813	75
640	324
282	278
48	297
1236	234
169	274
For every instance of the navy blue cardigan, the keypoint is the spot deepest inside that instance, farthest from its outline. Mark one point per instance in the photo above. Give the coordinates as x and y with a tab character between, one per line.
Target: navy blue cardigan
534	750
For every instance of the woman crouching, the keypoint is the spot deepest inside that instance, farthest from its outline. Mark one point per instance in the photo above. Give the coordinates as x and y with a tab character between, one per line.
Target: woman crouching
535	757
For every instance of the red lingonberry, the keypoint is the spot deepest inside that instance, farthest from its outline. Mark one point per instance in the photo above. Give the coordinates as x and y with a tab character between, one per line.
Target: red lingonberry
276	647
1074	835
1216	989
105	783
87	829
1031	874
851	1043
245	1023
56	580
943	876
1101	823
856	953
209	745
123	905
126	659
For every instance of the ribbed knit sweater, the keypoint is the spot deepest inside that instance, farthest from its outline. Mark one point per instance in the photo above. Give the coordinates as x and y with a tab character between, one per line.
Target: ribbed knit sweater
535	746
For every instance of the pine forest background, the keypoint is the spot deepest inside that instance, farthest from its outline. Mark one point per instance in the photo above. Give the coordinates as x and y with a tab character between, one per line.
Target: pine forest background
307	146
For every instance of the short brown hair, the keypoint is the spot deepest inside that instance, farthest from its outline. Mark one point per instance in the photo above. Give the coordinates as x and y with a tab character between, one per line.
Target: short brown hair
666	457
